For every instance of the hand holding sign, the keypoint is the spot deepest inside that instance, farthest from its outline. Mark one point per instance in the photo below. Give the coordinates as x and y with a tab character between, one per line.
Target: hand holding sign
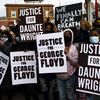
66	50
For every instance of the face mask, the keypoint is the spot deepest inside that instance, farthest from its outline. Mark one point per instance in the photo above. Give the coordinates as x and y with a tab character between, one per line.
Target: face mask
94	39
67	39
5	39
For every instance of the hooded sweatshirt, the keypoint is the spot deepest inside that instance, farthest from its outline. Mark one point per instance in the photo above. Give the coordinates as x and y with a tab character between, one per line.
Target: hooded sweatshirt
73	56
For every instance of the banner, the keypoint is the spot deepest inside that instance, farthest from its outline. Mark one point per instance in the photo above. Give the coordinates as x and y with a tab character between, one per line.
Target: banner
51	57
68	16
31	23
23	67
89	70
4	61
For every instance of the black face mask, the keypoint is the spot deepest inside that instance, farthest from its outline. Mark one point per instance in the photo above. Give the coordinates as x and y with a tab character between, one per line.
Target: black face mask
67	39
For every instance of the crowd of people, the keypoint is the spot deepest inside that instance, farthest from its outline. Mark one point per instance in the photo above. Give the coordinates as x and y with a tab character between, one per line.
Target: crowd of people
62	85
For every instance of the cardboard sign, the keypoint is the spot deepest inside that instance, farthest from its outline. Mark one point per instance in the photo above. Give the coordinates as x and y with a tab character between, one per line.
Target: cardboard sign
68	16
89	70
51	57
23	67
31	23
4	61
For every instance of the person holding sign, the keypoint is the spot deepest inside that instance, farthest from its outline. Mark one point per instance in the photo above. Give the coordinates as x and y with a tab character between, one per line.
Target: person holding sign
48	80
29	90
94	38
5	47
66	81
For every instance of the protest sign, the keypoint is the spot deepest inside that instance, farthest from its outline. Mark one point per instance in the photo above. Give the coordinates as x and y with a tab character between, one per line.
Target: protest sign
51	57
31	22
4	61
89	70
23	67
68	16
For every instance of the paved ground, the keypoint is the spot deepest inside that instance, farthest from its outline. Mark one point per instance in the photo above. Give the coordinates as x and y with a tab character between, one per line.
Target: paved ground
19	96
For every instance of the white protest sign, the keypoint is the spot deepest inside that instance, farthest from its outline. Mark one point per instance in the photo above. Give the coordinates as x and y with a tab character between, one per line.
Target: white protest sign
51	57
23	67
4	61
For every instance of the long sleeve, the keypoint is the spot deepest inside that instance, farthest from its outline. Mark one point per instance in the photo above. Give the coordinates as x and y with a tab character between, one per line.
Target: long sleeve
72	56
71	62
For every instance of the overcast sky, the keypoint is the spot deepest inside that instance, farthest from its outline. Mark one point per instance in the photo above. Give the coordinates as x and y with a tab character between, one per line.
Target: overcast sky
54	2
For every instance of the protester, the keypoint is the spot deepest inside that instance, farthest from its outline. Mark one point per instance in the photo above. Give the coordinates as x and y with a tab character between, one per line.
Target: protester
66	81
94	38
30	91
5	47
15	28
83	37
49	27
48	81
84	32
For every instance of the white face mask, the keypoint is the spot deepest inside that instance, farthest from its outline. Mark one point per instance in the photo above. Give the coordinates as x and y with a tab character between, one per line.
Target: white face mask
94	39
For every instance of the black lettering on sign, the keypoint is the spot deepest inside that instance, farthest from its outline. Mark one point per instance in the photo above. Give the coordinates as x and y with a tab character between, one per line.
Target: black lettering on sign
56	62
50	42
3	60
51	54
23	68
23	58
2	70
24	75
0	75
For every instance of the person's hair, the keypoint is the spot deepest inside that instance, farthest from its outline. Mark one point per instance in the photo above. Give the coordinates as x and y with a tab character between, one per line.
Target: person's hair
71	33
7	32
51	27
95	29
87	25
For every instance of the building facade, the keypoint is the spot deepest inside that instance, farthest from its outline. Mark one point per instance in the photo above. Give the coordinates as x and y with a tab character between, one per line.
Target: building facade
12	10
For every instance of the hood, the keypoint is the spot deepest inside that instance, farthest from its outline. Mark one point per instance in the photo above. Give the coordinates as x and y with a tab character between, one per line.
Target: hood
71	34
